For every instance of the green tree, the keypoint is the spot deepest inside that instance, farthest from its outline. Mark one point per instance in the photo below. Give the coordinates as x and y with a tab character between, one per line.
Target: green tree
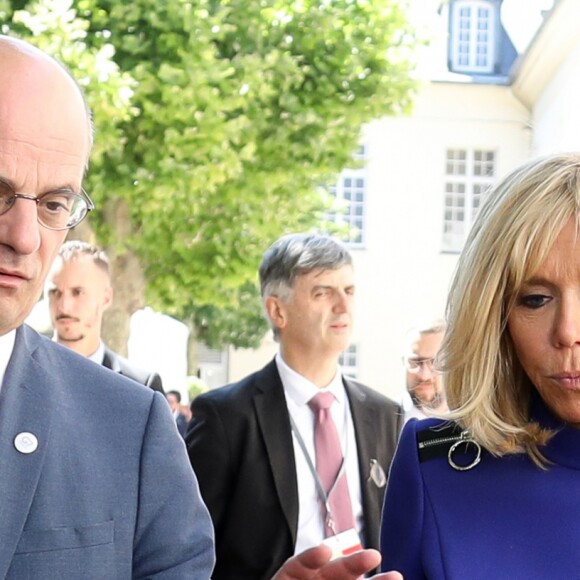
217	124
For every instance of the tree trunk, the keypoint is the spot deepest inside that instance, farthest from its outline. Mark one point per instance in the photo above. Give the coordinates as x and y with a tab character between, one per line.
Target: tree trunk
192	353
83	232
128	283
127	277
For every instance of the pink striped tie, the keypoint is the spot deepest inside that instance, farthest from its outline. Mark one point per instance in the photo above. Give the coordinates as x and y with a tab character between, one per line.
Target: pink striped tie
328	462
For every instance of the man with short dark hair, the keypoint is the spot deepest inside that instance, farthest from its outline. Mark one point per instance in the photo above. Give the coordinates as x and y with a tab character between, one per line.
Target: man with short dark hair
174	400
79	291
261	448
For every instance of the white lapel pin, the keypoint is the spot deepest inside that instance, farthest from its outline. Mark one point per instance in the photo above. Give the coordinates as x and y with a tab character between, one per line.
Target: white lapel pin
26	442
377	474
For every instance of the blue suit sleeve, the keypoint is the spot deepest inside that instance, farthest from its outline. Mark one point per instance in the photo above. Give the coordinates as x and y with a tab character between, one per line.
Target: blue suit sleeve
174	536
403	511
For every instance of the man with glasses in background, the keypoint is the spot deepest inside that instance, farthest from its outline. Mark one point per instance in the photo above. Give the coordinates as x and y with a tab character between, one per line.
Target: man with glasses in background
424	380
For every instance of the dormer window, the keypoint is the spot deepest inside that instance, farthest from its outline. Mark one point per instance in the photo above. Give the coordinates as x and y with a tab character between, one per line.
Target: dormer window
473	36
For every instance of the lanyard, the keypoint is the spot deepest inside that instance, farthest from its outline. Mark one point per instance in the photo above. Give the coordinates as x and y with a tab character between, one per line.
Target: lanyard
324	497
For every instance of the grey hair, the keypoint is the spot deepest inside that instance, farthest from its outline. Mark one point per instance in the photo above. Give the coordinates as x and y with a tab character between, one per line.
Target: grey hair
296	254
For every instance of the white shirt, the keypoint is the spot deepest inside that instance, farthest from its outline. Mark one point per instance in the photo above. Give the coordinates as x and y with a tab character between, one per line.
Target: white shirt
298	391
6	348
99	355
414	413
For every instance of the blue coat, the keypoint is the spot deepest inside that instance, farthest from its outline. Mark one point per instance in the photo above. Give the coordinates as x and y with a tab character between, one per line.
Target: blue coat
108	493
504	518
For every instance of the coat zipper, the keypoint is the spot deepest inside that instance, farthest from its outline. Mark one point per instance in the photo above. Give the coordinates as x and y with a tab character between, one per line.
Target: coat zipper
463	436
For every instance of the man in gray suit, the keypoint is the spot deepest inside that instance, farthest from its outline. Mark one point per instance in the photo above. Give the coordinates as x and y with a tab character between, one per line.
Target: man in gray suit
94	478
78	291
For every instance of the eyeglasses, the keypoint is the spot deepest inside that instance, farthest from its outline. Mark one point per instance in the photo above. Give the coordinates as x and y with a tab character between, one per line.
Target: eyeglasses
61	209
414	365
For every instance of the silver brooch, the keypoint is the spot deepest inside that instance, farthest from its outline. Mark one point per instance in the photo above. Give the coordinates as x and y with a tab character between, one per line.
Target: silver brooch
466	440
377	474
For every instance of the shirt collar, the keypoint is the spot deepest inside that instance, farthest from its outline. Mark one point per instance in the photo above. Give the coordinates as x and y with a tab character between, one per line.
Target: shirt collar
6	348
99	355
301	390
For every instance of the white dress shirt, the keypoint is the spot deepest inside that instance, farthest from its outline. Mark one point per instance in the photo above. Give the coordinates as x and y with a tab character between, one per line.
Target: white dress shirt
6	348
298	391
414	413
99	355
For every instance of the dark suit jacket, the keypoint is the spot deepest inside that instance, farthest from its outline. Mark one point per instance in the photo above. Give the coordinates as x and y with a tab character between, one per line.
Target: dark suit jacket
121	365
181	422
240	446
108	492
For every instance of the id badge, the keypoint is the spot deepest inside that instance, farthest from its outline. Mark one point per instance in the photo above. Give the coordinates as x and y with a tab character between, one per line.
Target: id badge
343	544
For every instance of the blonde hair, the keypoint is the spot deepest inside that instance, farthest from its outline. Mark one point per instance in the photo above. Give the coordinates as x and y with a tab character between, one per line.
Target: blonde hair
487	390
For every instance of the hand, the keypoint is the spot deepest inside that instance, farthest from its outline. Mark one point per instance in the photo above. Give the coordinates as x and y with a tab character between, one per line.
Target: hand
315	564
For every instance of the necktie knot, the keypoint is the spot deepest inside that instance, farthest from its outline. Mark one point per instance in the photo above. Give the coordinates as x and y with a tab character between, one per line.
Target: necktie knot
321	401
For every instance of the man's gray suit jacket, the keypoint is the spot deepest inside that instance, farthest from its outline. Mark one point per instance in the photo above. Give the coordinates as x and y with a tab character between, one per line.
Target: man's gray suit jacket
94	478
240	446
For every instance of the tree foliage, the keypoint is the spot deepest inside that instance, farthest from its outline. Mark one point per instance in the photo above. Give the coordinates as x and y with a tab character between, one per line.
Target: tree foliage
217	123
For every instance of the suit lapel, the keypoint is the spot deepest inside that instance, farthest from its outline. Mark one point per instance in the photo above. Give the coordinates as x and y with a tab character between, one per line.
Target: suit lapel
364	419
274	423
25	406
110	361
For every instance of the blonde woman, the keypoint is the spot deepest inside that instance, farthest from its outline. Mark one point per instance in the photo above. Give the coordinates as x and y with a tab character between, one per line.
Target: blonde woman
495	491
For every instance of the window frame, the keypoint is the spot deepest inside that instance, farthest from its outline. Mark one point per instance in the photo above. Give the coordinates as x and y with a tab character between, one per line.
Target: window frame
467	44
469	174
350	369
351	194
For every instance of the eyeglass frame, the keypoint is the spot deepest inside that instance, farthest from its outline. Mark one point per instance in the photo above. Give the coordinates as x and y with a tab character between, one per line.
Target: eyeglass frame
421	362
82	194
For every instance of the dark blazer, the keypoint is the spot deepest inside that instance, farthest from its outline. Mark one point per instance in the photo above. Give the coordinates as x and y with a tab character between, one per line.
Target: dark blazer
94	478
240	446
181	422
121	365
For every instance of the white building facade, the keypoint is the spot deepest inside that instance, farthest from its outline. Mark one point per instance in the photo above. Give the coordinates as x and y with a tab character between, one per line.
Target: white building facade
424	178
481	110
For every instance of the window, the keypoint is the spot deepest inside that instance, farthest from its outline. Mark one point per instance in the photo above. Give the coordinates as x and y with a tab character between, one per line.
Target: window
350	192
473	36
468	176
208	355
348	361
212	366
